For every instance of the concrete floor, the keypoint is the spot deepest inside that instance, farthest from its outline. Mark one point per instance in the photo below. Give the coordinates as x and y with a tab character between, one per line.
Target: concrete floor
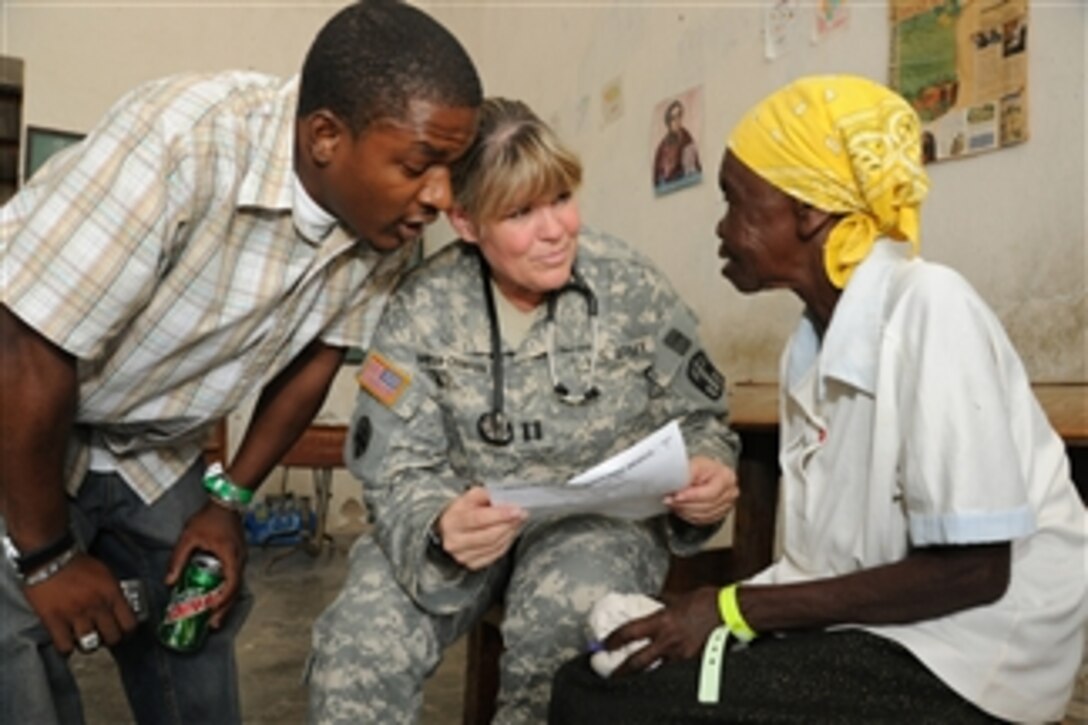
290	593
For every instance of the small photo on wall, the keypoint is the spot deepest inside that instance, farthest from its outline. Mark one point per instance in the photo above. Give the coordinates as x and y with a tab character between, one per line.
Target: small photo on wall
42	143
676	127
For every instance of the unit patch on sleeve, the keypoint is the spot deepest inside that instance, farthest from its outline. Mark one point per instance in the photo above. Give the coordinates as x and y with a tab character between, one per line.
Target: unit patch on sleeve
382	379
360	438
704	376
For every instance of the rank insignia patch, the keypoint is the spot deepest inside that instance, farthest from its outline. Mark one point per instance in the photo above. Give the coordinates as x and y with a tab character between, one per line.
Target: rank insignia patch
382	379
678	342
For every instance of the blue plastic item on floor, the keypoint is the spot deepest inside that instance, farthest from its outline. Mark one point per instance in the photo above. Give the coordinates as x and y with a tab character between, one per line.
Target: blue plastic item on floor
279	521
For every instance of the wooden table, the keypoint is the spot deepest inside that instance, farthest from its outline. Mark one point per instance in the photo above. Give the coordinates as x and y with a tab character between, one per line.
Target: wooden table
753	414
1066	405
754	411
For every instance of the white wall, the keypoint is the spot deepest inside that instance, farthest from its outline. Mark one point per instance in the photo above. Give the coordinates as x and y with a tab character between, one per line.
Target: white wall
1014	222
82	55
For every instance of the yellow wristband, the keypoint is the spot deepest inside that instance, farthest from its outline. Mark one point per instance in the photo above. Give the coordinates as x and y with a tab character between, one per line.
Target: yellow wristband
730	611
710	672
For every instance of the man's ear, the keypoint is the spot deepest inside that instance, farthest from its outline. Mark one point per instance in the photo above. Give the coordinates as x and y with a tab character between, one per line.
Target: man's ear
810	220
321	134
462	224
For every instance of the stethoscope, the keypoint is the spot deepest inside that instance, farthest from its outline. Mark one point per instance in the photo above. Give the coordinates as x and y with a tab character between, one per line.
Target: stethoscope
494	425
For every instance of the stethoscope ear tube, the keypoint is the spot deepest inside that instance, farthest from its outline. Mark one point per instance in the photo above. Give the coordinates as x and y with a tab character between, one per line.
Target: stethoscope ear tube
493	426
591	391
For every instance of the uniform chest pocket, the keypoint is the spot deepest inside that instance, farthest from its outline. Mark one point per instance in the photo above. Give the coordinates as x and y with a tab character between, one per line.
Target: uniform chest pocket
464	387
624	378
498	434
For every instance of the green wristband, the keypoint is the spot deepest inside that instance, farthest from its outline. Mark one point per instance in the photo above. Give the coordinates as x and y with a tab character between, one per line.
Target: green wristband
224	490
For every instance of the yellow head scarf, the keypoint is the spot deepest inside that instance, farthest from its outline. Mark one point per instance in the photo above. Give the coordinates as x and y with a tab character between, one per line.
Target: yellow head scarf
845	145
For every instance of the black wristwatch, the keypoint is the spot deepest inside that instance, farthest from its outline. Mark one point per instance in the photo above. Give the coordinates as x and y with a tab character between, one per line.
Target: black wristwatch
434	538
31	561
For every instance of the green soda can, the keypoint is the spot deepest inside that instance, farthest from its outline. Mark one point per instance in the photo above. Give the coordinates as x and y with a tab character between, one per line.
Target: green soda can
185	622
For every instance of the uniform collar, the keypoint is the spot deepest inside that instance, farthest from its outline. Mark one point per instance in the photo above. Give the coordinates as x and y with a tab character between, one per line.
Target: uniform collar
850	350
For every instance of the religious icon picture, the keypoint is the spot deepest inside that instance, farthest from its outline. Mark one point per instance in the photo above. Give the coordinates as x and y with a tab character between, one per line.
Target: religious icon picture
677	125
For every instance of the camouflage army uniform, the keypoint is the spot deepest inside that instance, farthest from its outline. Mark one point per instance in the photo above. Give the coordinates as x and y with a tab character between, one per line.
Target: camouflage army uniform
414	442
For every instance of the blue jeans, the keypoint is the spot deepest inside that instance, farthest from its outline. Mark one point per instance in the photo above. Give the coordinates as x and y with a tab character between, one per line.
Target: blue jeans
135	541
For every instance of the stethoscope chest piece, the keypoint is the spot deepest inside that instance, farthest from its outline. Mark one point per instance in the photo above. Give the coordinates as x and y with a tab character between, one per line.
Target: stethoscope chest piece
495	428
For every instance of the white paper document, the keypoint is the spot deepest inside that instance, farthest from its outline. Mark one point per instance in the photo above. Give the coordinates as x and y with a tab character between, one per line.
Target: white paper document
629	485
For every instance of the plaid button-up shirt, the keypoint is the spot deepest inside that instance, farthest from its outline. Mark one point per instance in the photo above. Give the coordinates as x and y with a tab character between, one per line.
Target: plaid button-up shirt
161	252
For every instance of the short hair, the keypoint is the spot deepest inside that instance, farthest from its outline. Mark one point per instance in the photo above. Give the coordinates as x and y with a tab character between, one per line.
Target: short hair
374	57
515	158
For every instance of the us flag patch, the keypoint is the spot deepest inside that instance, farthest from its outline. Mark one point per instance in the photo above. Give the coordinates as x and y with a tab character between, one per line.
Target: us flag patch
382	379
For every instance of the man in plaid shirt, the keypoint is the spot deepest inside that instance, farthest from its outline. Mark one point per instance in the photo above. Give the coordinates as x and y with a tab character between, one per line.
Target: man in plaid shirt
214	236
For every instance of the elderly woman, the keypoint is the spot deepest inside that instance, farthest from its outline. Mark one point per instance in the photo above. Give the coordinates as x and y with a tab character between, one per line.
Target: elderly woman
934	548
527	351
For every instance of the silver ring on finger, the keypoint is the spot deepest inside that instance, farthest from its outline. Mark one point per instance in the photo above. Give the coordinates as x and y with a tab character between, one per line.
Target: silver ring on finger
89	642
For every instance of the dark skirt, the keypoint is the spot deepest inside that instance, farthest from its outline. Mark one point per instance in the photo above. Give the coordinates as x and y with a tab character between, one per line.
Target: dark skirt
847	676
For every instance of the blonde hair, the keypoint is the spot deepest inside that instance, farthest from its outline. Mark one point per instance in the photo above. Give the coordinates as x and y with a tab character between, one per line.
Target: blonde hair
515	159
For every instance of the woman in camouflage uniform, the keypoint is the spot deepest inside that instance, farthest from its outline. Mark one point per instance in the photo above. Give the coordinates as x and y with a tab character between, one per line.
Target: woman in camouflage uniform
594	350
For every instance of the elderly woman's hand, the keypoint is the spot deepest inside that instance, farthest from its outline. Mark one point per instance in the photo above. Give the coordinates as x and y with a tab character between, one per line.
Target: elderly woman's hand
676	632
475	533
709	495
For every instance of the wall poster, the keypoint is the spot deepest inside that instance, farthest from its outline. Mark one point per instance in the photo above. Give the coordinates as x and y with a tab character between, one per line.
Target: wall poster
676	127
962	64
830	15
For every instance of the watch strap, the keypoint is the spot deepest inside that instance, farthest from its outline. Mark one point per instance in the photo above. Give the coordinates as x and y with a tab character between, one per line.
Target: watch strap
50	569
434	538
36	559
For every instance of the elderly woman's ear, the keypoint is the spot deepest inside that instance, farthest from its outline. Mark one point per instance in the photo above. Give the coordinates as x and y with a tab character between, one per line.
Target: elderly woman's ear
811	221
